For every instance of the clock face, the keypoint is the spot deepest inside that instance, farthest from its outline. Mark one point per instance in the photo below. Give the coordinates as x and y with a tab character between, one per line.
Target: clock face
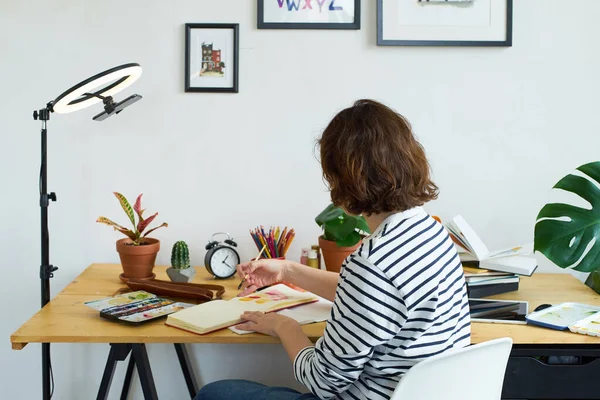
224	261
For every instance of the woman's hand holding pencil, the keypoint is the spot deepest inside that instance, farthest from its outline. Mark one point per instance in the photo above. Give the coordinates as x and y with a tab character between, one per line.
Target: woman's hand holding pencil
261	273
246	276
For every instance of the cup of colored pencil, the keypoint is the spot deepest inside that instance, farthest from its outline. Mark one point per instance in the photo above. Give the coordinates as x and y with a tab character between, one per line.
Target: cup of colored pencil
275	241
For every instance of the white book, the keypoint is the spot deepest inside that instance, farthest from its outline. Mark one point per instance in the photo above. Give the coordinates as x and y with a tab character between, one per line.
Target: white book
475	279
471	248
493	281
519	265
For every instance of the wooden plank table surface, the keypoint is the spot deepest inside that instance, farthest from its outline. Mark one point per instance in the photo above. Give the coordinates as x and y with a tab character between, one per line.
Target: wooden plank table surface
67	320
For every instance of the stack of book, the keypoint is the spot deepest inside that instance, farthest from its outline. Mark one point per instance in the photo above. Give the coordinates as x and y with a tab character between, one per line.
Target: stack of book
484	283
489	272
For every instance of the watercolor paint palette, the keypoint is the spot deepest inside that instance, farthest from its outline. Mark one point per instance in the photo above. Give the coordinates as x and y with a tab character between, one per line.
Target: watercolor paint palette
135	307
588	326
563	316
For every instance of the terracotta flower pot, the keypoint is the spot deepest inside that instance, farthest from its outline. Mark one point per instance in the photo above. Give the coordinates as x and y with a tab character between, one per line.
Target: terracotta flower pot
333	255
138	261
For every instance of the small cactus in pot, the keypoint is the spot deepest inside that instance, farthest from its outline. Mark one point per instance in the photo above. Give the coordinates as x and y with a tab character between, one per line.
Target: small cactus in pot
181	270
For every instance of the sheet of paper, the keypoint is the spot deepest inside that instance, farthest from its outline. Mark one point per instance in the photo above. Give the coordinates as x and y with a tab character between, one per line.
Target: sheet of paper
305	314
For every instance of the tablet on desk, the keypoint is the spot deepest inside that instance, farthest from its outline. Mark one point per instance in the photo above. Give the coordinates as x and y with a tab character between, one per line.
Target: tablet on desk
498	311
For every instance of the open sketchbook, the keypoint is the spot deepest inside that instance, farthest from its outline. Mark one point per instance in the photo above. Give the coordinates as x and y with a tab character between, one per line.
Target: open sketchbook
318	311
219	314
473	252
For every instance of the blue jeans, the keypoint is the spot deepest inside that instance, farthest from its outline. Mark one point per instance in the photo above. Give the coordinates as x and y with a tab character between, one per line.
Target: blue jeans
237	389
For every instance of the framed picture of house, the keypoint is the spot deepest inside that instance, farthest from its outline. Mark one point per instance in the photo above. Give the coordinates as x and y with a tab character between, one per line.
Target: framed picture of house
211	57
308	14
444	22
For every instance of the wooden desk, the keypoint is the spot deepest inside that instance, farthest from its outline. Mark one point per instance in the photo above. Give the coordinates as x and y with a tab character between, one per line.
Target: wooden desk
67	320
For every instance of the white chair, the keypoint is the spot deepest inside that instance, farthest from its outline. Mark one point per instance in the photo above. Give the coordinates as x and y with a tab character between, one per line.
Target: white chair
471	373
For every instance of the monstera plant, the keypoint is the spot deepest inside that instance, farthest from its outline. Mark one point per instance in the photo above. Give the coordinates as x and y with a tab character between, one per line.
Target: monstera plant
342	234
569	235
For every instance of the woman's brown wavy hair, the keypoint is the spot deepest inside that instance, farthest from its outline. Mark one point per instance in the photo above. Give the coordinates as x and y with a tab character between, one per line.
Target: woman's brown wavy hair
373	163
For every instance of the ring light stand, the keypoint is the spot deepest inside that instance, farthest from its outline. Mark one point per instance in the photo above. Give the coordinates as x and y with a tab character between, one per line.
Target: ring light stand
76	98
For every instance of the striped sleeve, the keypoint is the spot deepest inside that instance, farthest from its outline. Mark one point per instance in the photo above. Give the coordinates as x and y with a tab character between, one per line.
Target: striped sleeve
367	312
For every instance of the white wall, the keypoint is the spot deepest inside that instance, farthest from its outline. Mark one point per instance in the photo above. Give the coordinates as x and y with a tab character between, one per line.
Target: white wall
500	126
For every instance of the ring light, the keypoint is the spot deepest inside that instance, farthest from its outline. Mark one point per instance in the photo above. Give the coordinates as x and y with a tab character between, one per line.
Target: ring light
98	88
81	95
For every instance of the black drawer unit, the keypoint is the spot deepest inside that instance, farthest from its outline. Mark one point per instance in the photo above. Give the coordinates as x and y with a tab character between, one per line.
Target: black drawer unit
531	375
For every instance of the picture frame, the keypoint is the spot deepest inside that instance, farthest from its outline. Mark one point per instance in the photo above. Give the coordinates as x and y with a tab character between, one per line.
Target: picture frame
444	23
309	14
212	57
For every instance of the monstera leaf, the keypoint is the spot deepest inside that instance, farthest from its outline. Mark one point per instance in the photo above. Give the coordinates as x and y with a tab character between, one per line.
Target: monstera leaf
569	235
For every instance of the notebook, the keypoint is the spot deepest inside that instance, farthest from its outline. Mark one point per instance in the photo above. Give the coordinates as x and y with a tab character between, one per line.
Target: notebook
219	314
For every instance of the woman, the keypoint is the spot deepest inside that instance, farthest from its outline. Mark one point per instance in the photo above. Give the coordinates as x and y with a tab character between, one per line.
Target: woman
399	298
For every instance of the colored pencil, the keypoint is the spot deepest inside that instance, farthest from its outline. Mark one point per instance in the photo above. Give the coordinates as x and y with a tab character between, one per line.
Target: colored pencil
273	240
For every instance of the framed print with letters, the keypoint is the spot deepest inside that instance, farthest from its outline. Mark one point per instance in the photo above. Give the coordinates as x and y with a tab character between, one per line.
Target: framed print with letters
309	14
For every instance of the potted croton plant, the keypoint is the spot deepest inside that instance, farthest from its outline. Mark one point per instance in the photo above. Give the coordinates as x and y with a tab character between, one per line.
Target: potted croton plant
342	234
569	235
137	251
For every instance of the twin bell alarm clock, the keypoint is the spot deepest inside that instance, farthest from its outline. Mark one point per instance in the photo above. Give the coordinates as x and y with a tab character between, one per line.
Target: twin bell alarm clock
221	259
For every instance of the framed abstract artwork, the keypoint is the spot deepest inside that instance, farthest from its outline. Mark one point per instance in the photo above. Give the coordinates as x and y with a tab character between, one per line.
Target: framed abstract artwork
211	57
444	22
308	14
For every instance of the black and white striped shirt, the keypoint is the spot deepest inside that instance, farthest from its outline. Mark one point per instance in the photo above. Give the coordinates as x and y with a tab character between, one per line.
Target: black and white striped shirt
401	298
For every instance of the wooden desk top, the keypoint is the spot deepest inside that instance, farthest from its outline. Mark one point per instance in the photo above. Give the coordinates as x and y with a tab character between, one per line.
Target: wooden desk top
67	320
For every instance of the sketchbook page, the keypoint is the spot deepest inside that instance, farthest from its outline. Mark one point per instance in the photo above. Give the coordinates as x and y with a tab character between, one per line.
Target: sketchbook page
467	257
523	250
476	245
208	316
307	314
460	241
274	298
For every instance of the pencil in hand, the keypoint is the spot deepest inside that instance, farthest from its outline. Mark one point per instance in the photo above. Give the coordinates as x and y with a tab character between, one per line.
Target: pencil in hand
257	257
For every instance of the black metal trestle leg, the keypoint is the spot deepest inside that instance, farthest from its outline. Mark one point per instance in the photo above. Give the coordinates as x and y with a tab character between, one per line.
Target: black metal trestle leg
128	376
138	357
143	366
118	352
186	368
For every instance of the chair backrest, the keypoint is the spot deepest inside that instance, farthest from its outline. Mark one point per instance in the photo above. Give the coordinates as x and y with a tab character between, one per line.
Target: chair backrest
471	373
